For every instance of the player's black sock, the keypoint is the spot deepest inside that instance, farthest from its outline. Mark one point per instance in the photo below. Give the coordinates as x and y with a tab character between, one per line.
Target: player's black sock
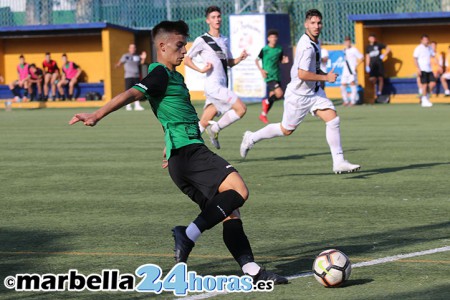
70	97
237	242
25	93
272	99
218	208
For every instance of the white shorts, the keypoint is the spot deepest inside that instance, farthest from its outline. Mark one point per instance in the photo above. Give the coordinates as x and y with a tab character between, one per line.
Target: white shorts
296	107
222	98
446	75
348	78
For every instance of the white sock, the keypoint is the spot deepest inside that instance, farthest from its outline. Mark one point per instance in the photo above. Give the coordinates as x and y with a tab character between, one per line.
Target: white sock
333	136
227	119
251	268
420	91
128	106
353	94
344	93
268	132
137	104
201	127
193	232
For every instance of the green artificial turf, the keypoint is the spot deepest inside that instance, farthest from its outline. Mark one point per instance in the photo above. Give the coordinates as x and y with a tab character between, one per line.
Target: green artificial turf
73	197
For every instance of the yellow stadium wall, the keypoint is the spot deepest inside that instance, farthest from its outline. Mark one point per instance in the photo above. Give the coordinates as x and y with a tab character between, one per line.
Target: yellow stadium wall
86	51
402	42
115	43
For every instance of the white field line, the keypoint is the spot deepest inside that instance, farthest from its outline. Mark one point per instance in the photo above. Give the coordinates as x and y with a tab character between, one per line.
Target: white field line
357	265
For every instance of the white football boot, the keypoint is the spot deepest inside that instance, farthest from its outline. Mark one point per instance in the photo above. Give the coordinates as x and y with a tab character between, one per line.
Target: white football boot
213	136
246	144
345	167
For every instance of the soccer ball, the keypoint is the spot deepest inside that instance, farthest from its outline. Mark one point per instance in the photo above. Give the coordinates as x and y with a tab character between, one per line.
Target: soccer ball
332	268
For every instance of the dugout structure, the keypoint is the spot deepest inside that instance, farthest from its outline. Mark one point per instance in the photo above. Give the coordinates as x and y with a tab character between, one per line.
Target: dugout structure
95	47
402	33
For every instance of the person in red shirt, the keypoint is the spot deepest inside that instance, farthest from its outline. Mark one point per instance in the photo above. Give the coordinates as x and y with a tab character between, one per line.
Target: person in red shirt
35	78
69	76
51	75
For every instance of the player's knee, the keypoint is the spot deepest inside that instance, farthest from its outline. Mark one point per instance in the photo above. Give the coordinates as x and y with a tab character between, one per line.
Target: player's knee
240	109
287	132
243	191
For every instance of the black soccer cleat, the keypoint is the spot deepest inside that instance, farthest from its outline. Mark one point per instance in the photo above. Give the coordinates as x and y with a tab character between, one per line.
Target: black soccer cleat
183	245
267	275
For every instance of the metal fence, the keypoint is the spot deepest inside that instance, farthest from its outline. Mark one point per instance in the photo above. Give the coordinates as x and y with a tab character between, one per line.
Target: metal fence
147	13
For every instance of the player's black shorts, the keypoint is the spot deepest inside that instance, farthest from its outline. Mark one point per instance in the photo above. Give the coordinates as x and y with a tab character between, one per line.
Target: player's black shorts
198	172
130	82
376	69
273	85
427	77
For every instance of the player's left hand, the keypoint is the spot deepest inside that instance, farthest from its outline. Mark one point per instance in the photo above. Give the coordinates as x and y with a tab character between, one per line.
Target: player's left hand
143	55
285	59
88	119
331	76
243	55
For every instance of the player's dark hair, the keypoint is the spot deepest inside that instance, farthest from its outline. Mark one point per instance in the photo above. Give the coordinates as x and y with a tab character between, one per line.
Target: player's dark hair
433	42
313	13
272	32
21	56
64	55
424	36
372	35
47	53
178	27
211	9
32	66
347	38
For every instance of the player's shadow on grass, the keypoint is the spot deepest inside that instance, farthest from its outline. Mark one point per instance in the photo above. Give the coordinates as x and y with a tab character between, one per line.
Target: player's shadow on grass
366	173
290	262
363	174
24	251
293	157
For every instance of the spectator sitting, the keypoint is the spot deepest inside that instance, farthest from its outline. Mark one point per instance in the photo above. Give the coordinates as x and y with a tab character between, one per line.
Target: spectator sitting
51	76
446	75
35	76
70	73
21	82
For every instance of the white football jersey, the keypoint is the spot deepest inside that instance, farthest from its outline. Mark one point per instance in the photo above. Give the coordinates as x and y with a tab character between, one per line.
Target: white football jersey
423	55
307	57
216	75
352	55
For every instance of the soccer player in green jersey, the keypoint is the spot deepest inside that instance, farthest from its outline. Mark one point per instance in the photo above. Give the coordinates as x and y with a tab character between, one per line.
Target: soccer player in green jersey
271	56
205	177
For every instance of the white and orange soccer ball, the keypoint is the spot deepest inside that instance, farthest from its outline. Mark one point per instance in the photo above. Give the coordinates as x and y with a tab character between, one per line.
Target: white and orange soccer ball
332	268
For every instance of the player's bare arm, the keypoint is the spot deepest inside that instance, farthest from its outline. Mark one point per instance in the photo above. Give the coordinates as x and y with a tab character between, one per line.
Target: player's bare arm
188	62
234	61
310	76
91	119
263	72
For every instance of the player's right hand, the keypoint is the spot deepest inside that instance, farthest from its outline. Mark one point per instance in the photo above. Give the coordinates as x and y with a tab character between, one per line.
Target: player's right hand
208	67
331	76
264	74
367	69
165	162
87	119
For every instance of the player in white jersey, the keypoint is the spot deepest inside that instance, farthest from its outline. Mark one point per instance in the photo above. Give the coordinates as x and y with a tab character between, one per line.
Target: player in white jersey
303	95
422	60
352	58
214	50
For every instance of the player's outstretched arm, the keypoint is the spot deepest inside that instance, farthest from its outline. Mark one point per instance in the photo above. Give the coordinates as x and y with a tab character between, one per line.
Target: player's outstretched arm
188	62
310	76
91	119
234	61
